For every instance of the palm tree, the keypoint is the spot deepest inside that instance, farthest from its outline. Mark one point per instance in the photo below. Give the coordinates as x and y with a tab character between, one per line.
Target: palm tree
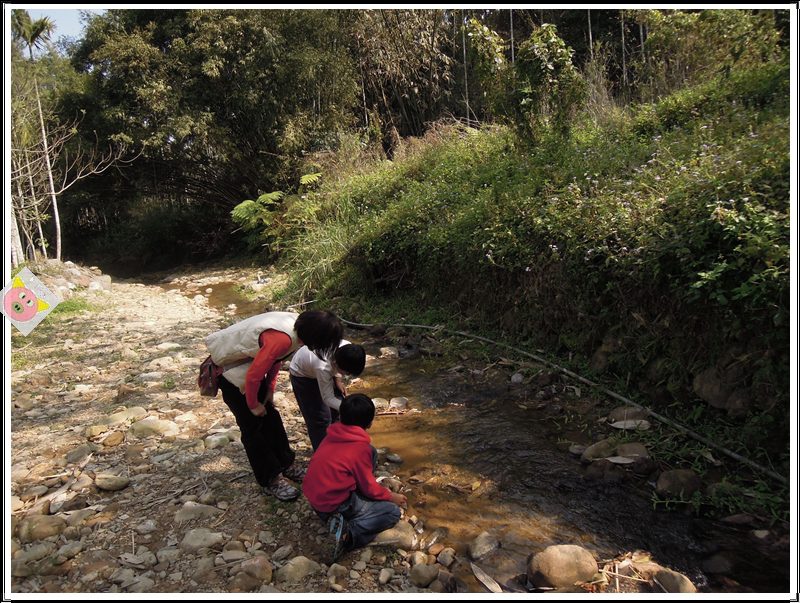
36	34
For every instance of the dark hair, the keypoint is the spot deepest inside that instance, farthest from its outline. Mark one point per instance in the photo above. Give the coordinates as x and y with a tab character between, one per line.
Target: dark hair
351	358
357	409
321	331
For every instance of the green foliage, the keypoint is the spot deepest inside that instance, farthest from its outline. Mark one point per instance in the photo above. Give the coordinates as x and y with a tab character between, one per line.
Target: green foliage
548	85
668	227
73	305
692	47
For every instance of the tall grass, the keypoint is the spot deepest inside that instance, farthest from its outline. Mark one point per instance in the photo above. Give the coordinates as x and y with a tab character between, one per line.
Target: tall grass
661	234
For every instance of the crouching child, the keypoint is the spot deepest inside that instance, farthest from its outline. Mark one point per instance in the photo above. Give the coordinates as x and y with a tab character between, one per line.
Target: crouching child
340	485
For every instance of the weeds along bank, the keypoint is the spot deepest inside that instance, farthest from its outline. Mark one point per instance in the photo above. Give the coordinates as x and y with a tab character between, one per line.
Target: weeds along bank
653	248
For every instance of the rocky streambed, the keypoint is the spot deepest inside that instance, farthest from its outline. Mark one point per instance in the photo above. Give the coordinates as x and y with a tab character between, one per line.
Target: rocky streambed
124	479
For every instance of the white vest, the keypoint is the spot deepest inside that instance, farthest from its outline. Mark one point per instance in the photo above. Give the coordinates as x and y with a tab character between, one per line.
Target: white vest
234	347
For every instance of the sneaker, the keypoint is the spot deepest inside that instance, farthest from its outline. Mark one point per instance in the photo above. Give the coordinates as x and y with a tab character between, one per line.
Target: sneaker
295	472
281	489
338	527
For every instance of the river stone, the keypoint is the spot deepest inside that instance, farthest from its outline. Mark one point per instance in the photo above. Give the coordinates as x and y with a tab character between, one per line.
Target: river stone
296	569
598	450
718	564
389	352
244	582
68	551
111	482
337	571
95	430
16	504
218	440
199	538
399	403
152	376
674	582
418	557
402	535
422	575
79	453
192	510
169	346
484	544
33	492
282	553
394	458
38	527
710	387
626	413
77	517
148	526
633	450
228	556
168	555
128	414
517	378
259	567
34	552
446	557
635	424
385	575
680	483
140	584
561	565
82	482
152	426
115	439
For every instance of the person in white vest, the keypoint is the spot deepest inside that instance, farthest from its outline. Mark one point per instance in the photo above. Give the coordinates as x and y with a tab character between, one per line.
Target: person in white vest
251	352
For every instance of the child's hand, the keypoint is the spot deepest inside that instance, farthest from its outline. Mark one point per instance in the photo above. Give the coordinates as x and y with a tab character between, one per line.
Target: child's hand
259	410
340	385
399	499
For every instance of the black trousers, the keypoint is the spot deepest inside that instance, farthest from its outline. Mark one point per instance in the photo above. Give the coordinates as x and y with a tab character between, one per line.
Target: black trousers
316	413
264	438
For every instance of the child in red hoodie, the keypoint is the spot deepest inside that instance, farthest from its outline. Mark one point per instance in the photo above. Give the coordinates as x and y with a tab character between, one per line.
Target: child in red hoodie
339	480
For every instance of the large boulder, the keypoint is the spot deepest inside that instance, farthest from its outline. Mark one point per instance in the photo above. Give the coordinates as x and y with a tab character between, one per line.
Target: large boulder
561	565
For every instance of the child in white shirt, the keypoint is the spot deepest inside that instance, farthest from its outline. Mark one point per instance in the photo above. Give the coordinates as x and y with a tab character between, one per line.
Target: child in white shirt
318	387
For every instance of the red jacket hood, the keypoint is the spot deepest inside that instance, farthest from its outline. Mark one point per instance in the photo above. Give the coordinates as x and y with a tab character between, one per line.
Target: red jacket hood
339	433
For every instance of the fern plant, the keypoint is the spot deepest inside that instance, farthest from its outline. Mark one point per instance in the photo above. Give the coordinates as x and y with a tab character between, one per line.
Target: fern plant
270	219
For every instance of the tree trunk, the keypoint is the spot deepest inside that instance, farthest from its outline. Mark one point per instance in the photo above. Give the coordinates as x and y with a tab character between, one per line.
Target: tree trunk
36	211
16	245
511	17
591	43
464	45
46	149
622	29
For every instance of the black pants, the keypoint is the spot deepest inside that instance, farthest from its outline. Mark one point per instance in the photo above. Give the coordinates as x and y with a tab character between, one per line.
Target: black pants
264	438
316	413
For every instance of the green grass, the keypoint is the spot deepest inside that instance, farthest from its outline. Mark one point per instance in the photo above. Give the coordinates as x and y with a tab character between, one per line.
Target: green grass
666	228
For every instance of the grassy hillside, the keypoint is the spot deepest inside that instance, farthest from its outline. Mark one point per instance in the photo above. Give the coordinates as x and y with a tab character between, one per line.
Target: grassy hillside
653	248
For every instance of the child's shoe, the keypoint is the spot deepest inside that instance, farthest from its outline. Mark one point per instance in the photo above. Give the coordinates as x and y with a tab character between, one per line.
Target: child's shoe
338	527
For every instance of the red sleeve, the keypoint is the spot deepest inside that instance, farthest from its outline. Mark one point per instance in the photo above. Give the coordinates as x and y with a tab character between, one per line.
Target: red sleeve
274	346
365	481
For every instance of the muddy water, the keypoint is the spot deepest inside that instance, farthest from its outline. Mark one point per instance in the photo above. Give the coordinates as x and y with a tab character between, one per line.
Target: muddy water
478	456
503	474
